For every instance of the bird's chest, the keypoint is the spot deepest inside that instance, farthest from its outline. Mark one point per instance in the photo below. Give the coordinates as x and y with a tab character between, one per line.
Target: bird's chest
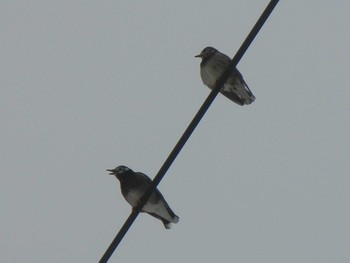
132	196
210	72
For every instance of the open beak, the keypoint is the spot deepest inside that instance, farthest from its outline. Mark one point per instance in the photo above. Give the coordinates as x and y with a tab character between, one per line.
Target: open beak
112	171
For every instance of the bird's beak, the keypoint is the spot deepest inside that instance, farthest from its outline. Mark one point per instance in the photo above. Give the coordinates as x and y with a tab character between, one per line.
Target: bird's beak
112	171
198	56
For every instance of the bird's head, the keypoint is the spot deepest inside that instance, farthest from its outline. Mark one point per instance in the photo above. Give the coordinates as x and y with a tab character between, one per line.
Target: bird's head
207	53
118	170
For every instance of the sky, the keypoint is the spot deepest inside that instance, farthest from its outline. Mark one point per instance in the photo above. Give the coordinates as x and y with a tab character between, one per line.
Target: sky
90	85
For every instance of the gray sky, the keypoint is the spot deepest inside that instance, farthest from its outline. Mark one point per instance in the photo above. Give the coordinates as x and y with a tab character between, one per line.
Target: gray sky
89	85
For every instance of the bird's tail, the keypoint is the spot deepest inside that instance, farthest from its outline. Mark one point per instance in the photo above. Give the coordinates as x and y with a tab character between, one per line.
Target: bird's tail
175	219
167	224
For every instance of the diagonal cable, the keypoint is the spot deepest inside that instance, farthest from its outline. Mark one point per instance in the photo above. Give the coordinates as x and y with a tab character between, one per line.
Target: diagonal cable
191	127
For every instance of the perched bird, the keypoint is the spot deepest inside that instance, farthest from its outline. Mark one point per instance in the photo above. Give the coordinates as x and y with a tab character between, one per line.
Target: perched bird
213	65
134	185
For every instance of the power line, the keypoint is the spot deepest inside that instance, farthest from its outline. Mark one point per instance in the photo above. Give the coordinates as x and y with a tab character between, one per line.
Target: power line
191	127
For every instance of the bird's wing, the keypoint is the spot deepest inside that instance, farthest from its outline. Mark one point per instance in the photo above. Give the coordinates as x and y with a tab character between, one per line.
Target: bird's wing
146	183
157	196
224	62
232	96
237	90
240	77
143	177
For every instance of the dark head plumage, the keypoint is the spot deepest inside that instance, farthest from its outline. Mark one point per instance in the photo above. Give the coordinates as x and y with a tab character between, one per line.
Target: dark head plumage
207	53
120	171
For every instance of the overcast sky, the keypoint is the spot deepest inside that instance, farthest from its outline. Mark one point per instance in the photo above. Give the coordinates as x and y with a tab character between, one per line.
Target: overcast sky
89	85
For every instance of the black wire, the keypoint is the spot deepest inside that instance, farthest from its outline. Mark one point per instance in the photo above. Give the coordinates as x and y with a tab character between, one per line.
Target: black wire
191	127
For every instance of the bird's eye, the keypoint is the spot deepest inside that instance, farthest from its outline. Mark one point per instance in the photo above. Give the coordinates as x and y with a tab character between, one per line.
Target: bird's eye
122	169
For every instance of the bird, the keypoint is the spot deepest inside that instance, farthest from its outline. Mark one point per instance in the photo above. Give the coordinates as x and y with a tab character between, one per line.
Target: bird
213	65
134	185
